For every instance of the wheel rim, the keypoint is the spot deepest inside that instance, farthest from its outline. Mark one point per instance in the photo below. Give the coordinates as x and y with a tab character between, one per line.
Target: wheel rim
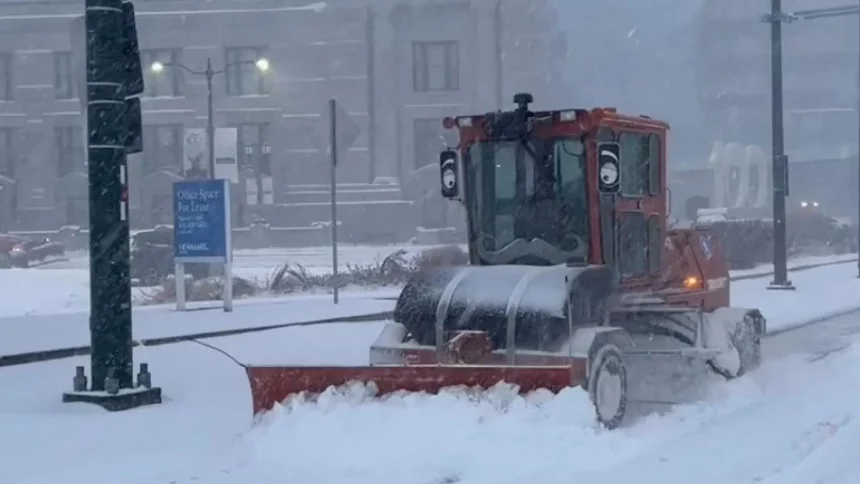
609	391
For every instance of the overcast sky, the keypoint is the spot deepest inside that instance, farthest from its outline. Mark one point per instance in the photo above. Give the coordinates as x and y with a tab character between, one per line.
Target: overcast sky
638	55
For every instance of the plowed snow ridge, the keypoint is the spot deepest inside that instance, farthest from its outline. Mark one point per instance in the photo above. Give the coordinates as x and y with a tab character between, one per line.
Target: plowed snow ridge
457	436
498	437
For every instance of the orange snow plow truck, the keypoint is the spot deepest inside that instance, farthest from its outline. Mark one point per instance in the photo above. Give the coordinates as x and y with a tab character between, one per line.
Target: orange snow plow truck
574	278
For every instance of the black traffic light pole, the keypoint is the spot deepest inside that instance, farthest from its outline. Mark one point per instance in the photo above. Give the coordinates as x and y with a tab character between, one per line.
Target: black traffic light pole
113	73
110	286
780	161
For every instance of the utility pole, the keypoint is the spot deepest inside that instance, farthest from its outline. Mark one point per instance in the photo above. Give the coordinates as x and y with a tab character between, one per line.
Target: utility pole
780	161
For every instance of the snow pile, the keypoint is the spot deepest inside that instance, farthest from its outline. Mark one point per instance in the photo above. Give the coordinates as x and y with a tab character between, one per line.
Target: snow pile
461	435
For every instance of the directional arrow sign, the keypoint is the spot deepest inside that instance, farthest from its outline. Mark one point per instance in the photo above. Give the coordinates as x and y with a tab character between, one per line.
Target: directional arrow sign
346	129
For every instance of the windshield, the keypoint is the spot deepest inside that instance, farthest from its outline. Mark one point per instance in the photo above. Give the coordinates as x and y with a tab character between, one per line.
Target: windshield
528	200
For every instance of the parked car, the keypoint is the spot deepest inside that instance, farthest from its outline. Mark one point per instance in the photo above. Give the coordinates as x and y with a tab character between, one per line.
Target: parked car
152	258
811	231
20	251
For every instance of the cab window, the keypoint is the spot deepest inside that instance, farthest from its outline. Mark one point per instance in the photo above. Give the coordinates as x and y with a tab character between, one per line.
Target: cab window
655	148
633	238
634	164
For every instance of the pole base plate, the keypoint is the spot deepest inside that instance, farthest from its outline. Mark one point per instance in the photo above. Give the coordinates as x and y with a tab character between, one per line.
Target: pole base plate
786	286
126	399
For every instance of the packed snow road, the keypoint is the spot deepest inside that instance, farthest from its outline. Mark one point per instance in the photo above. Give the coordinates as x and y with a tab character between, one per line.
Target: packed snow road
800	423
788	423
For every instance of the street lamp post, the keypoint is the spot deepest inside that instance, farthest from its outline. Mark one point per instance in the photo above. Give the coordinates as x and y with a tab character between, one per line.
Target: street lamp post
262	64
776	18
780	160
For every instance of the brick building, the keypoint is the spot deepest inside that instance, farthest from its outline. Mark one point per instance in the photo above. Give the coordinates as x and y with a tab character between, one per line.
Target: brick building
396	66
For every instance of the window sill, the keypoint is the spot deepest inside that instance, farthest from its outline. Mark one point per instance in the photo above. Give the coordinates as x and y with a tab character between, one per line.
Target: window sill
160	98
249	96
433	91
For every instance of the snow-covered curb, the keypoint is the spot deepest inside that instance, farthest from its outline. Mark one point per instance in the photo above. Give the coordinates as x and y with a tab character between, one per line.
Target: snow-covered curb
801	266
819	319
60	353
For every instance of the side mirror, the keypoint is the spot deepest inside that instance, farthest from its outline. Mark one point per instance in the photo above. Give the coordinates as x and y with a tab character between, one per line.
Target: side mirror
609	167
449	174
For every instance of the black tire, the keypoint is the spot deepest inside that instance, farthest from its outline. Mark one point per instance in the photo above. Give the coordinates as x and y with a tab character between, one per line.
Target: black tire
609	397
5	261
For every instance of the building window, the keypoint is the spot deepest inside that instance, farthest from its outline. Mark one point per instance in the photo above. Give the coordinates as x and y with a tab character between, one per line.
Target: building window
254	148
71	157
435	66
162	147
64	76
655	245
655	147
6	69
7	152
166	82
243	76
634	164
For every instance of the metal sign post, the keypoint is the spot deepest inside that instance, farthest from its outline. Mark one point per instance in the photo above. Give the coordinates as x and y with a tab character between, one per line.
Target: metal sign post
341	132
202	232
333	160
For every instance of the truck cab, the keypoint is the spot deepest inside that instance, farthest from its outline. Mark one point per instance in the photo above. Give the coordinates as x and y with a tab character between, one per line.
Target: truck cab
564	186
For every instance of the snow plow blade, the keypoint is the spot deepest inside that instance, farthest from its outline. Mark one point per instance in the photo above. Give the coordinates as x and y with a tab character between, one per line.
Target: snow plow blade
461	326
271	385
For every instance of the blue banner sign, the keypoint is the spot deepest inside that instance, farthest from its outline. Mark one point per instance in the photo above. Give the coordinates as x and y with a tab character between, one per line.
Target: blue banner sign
201	221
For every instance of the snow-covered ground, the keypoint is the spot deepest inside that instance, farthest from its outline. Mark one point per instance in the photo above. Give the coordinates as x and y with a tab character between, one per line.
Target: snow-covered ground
207	410
792	422
767	428
64	287
44	326
797	421
260	263
46	332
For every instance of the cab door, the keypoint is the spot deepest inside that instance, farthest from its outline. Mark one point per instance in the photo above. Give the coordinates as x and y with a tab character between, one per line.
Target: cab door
638	208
